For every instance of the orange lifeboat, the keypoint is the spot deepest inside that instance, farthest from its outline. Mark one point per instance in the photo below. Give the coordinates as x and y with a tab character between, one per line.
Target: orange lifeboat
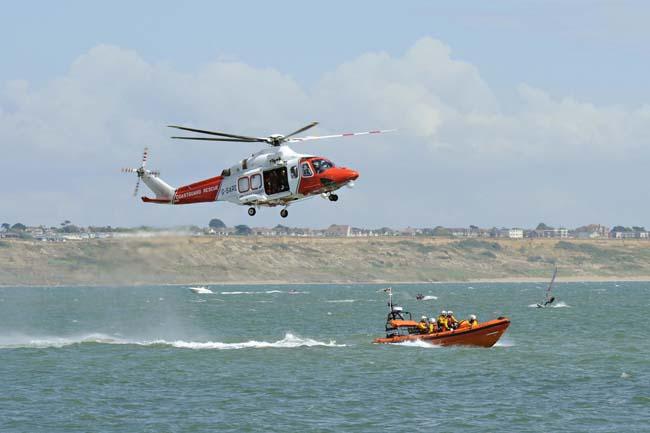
484	334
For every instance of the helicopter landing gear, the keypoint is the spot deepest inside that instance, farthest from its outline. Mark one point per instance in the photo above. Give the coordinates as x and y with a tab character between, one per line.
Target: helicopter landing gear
251	211
284	213
333	197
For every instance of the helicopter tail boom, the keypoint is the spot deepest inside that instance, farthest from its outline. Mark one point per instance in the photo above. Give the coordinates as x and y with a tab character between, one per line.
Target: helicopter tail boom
203	191
162	190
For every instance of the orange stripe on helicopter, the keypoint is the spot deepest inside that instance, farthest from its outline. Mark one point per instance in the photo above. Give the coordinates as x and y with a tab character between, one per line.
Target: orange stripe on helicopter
203	191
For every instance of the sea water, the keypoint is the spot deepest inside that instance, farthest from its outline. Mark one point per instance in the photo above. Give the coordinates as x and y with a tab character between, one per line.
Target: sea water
300	358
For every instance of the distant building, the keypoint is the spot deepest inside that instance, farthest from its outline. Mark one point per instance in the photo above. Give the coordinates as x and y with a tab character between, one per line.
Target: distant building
623	235
384	231
220	231
592	231
458	232
513	233
561	233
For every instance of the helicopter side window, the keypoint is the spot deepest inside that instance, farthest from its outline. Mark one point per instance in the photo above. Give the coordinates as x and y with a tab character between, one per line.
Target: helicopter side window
320	165
306	170
294	172
256	181
243	184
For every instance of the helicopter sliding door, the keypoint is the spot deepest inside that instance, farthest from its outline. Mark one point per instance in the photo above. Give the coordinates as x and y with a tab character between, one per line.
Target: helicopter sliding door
276	181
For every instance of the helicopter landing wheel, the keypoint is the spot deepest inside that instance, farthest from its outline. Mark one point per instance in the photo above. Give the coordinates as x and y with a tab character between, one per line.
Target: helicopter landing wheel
284	213
251	211
333	197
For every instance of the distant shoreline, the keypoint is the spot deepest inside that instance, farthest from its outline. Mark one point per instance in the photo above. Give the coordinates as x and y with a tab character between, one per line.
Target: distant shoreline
185	261
512	280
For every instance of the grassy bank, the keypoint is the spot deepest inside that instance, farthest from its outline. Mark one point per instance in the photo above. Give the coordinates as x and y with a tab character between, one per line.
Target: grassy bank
195	260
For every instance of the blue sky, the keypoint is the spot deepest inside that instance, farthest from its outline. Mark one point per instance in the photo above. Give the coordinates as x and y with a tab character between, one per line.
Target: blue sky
538	112
570	48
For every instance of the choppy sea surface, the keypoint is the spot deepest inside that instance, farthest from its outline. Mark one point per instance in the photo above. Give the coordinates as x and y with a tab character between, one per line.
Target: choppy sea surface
300	359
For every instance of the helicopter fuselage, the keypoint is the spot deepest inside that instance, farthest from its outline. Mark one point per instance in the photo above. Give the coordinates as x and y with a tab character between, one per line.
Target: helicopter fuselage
275	176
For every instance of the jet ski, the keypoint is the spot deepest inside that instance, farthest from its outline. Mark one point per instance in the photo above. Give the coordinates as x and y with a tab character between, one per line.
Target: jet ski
201	290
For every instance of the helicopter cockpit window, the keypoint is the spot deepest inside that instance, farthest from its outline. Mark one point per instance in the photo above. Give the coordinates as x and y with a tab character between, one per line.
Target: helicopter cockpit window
306	170
320	165
294	172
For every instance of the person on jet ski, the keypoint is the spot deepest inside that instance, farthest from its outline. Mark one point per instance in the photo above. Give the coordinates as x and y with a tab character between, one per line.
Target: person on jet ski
422	325
442	321
452	323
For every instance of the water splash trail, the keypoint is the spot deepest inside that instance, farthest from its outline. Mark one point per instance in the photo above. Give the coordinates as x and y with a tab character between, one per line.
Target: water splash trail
288	342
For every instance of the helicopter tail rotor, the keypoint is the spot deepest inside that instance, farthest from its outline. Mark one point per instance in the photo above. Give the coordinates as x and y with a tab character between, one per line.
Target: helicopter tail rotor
141	171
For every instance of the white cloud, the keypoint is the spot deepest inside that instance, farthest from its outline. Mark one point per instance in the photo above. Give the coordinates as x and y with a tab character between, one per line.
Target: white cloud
454	153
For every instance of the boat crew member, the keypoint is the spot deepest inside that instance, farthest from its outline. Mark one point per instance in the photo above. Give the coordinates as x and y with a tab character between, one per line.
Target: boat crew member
473	321
432	325
442	321
452	323
423	326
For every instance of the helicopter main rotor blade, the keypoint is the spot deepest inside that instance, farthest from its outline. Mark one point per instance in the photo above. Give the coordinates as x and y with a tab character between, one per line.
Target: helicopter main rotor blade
220	134
347	134
304	128
216	139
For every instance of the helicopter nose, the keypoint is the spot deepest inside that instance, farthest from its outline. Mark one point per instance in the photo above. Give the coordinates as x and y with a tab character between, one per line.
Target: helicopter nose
338	175
346	175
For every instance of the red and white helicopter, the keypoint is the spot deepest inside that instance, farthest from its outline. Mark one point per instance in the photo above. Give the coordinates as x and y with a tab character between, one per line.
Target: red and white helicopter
275	176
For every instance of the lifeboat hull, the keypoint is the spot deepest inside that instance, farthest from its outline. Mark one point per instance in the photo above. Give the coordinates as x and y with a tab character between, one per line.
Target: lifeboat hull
485	334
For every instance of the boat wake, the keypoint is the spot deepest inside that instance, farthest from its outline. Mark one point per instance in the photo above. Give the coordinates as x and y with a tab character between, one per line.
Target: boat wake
341	301
429	298
265	292
561	304
20	341
504	342
288	342
416	343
